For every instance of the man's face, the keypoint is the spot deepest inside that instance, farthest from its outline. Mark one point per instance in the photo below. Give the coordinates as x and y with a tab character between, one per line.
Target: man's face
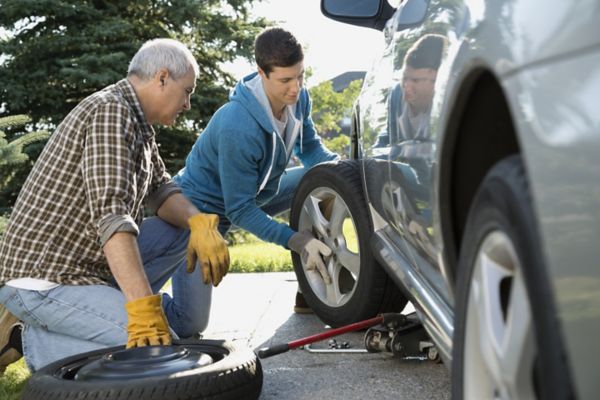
174	97
418	86
283	85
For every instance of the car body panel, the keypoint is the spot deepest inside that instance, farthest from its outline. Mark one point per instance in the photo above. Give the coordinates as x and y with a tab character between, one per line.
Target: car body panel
562	142
545	57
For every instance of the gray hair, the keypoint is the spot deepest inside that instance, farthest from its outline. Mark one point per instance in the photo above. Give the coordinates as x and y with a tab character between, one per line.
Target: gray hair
162	53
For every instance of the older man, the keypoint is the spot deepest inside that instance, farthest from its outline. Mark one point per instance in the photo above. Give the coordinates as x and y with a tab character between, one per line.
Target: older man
79	266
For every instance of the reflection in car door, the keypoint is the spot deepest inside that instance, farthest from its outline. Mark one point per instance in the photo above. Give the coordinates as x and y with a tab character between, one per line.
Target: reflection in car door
418	55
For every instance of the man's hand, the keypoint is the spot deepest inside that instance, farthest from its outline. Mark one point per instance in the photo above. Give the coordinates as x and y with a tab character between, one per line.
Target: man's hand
311	251
147	324
207	244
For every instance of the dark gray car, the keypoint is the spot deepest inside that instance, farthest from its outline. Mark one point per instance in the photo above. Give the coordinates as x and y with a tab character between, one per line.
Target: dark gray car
473	190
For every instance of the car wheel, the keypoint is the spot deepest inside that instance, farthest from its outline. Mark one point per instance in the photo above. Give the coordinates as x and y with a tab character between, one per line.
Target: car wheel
330	203
504	308
190	369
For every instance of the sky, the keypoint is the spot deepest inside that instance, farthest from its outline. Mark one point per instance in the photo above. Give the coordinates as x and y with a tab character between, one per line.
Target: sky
330	47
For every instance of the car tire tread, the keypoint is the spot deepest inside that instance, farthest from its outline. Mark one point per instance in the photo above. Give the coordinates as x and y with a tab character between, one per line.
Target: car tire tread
377	292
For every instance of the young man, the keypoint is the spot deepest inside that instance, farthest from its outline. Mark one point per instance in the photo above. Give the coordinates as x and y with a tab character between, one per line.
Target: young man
237	167
78	266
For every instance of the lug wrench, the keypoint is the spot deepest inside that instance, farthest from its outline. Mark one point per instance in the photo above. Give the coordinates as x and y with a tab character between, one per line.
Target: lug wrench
283	347
334	350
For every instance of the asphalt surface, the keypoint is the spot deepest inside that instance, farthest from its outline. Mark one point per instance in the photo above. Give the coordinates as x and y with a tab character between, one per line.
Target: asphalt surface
257	309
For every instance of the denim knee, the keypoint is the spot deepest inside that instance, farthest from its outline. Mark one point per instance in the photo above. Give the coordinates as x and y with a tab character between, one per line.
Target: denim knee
183	237
186	321
193	326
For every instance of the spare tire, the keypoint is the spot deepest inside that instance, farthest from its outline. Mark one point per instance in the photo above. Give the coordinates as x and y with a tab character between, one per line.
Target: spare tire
188	369
330	203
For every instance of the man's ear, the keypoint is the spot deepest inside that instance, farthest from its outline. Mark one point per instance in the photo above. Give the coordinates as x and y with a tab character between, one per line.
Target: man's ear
262	73
161	76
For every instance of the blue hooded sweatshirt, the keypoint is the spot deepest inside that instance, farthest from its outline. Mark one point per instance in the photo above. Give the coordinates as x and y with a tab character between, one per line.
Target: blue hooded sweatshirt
236	164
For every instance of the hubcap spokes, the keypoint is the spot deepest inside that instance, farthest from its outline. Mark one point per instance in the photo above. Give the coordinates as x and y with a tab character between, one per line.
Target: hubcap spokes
326	215
500	348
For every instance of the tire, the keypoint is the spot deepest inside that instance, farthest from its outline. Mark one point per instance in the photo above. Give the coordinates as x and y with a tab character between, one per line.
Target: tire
233	373
505	311
361	289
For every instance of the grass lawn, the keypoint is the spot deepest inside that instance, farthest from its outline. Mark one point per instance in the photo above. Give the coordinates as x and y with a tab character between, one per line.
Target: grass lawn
260	257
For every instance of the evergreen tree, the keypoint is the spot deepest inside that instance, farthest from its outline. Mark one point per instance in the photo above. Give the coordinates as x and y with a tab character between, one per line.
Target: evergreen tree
57	52
11	152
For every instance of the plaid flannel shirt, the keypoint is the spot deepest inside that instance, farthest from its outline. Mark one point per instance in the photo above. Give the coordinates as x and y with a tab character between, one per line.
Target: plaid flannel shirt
90	181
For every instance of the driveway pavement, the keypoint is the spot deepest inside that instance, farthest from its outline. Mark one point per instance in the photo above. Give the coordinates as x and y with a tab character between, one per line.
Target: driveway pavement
257	310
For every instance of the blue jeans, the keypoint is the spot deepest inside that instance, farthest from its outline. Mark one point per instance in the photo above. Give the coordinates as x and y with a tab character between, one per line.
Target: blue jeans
71	319
282	200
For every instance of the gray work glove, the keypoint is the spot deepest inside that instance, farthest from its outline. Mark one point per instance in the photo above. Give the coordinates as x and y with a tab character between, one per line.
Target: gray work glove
311	251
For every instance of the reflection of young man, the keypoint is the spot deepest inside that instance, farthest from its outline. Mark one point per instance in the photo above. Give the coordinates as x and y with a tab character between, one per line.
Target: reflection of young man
410	103
421	63
237	168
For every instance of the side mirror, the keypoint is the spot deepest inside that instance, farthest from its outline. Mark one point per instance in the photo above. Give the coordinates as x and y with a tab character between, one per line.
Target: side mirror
368	13
411	12
349	9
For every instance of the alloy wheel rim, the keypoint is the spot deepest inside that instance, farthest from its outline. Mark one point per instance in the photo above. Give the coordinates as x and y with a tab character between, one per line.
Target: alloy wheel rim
343	265
500	348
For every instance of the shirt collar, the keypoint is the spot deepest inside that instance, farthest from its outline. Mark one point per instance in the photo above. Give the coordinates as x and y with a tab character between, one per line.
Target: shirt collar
129	93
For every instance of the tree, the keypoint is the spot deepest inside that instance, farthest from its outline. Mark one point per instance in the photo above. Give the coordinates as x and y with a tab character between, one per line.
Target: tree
329	109
57	52
11	152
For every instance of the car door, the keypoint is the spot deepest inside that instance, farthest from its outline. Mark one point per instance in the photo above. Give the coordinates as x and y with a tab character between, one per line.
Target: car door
419	53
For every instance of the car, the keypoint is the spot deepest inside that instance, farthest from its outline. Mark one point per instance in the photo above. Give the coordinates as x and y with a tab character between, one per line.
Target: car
472	190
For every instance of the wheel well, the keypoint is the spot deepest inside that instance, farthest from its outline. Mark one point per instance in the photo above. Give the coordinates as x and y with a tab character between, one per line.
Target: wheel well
480	133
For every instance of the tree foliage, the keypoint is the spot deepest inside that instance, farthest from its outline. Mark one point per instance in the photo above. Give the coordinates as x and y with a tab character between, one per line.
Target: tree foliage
57	52
329	109
12	152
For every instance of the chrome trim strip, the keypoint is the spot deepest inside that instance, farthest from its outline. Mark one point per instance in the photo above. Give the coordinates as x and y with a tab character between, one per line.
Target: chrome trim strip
436	315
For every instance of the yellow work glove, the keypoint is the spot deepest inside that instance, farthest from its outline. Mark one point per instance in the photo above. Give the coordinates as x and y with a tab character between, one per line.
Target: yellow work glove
207	244
147	324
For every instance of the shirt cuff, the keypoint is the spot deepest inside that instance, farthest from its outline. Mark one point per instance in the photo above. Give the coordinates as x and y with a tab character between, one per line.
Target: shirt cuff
111	224
155	200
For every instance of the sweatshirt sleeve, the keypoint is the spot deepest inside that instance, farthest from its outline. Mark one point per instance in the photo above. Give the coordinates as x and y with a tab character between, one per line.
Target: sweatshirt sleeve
312	151
239	156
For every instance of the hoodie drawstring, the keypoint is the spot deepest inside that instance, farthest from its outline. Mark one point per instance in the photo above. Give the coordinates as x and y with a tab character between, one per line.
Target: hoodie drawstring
264	182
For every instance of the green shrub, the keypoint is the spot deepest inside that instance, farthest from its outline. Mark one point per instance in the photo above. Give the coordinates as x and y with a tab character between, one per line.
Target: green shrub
239	236
14	379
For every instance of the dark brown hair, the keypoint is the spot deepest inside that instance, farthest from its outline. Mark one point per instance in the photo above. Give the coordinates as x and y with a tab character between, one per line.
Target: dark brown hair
426	52
276	47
